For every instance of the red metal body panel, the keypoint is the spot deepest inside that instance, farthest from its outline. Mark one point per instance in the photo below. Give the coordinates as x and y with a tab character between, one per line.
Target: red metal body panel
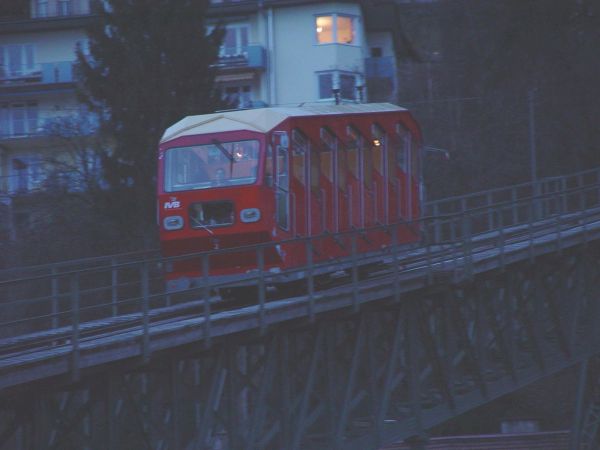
341	201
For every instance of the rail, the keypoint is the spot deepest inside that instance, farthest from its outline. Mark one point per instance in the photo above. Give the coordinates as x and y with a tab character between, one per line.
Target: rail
490	197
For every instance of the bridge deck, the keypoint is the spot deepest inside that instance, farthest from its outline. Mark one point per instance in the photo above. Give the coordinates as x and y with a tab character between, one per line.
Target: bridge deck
122	337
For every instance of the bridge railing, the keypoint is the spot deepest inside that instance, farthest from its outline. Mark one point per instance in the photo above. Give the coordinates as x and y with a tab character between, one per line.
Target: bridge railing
63	304
554	195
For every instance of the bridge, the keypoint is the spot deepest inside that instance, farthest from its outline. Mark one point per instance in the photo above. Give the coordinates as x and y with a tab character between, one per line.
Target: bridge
501	291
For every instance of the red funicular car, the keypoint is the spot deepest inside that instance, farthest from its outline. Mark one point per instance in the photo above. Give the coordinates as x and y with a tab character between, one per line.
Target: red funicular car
272	175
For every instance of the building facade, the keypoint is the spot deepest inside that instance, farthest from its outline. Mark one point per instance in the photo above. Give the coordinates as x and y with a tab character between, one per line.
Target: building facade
275	52
289	52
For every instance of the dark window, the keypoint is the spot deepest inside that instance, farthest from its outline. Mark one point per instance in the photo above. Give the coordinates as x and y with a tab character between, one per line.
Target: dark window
326	85
347	86
211	214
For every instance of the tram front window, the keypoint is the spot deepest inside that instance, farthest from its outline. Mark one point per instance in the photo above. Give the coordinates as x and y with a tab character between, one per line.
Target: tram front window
211	165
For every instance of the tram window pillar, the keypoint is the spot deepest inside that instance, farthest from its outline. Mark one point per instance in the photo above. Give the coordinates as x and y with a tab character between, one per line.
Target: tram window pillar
269	166
282	180
368	167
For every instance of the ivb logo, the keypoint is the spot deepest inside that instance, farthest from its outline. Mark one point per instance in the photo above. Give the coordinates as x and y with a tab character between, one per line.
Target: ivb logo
173	204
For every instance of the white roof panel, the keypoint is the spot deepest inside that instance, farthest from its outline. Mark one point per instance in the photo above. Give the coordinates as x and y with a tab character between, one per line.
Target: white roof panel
265	119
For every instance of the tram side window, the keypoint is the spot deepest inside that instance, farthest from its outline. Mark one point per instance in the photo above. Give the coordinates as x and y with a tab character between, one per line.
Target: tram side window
282	187
327	147
368	167
414	157
379	147
342	169
402	146
269	166
352	151
300	150
336	157
315	171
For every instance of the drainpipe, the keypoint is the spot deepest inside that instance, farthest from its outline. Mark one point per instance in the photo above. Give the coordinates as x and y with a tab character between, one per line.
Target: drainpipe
5	197
3	169
271	60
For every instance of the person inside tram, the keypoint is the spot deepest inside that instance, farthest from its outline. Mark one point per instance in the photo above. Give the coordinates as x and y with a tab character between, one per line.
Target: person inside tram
219	176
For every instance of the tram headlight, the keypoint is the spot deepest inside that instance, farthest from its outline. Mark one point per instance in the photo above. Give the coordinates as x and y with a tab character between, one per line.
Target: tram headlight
172	223
250	215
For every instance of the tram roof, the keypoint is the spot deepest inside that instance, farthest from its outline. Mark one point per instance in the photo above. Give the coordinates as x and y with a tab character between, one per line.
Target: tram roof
265	119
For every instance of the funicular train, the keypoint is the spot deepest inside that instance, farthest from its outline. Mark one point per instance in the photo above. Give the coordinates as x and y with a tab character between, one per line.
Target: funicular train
270	175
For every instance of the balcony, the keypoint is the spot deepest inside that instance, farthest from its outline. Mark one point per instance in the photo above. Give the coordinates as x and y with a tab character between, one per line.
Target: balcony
44	73
250	57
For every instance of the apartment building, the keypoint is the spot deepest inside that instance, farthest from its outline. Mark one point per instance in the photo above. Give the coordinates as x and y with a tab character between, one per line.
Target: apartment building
294	51
274	52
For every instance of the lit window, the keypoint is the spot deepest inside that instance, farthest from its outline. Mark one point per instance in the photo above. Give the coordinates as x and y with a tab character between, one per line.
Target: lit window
324	29
336	28
345	30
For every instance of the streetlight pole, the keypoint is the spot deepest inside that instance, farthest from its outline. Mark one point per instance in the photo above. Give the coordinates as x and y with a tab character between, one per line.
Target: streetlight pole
535	187
532	148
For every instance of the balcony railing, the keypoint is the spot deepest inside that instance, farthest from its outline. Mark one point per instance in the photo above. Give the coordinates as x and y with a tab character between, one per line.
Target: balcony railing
60	8
250	57
44	73
380	67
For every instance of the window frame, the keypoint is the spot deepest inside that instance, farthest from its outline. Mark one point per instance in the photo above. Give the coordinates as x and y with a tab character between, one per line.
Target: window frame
300	151
241	49
241	98
26	60
281	180
30	176
355	22
336	76
30	120
64	8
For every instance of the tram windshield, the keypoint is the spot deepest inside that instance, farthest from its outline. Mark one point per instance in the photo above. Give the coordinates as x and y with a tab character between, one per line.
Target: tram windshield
211	165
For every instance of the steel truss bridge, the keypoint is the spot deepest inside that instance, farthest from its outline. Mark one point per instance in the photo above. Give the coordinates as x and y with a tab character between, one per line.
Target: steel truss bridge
503	289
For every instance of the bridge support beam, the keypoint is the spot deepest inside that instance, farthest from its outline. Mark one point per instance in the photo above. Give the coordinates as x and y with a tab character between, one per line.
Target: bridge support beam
579	405
417	442
351	379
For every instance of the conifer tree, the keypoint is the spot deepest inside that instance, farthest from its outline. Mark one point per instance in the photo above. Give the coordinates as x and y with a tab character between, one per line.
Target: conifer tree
150	63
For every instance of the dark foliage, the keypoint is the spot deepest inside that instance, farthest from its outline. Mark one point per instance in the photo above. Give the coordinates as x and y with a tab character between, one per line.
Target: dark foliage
150	64
13	8
483	59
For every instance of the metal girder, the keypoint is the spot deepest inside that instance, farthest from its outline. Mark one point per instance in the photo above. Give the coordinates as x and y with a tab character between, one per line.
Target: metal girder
356	380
